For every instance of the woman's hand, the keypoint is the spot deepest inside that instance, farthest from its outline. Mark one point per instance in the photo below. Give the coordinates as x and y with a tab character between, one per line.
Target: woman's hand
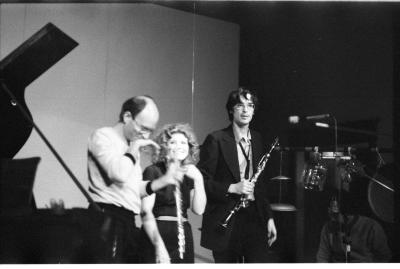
193	172
162	255
175	171
271	232
137	145
198	196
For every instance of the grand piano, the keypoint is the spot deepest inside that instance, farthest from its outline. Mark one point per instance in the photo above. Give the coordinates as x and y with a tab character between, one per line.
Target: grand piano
27	234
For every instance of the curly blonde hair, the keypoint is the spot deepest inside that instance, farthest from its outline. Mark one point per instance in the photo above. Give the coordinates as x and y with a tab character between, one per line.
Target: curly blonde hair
165	134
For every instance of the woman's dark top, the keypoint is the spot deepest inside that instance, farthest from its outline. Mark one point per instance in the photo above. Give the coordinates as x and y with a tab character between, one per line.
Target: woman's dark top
165	204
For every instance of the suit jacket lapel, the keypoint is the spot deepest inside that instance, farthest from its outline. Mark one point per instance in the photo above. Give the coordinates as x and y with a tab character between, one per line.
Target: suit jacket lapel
229	151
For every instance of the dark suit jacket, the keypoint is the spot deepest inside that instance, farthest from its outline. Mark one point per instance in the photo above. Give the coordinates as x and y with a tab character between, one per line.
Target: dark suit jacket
220	167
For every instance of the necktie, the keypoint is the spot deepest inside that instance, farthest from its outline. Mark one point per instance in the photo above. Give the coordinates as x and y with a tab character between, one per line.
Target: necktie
246	172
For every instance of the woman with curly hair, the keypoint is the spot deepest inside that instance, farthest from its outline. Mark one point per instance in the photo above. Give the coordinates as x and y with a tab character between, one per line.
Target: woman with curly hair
167	208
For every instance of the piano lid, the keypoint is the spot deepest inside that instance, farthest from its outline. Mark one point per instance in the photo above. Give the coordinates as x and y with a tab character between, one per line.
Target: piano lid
20	68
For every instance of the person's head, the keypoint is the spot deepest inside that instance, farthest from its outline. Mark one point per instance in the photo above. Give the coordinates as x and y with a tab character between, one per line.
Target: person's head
338	209
241	106
334	210
177	141
139	116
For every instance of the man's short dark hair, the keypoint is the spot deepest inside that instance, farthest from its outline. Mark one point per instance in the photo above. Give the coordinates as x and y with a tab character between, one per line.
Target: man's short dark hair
134	105
234	99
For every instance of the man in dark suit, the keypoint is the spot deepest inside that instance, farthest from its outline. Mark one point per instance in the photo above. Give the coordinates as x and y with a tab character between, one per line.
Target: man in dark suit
228	158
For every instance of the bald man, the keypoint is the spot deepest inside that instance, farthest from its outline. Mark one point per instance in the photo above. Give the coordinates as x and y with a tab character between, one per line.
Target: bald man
115	175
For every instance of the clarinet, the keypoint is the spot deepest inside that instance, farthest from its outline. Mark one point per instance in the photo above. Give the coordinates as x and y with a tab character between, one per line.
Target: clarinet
181	231
244	200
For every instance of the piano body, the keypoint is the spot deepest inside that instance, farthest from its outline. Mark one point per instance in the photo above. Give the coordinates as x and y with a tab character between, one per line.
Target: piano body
30	235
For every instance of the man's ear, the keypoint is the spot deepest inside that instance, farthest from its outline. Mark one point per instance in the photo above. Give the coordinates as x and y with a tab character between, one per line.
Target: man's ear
126	116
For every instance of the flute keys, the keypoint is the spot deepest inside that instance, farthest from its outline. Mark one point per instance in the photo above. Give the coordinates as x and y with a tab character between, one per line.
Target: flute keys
181	231
181	243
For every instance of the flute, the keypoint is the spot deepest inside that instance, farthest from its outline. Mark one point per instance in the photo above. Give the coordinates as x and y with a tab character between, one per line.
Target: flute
181	231
180	228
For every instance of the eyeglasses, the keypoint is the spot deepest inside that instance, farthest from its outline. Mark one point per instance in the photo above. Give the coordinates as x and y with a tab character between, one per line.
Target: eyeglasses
143	129
241	106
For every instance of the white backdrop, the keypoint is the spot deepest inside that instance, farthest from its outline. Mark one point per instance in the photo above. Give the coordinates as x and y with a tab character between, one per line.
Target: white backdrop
124	50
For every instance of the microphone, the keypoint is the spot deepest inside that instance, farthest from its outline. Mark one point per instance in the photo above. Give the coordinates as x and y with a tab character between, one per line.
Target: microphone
318	117
296	119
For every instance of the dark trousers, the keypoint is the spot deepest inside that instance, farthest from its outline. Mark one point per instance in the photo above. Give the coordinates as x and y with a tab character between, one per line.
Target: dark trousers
169	233
248	241
120	234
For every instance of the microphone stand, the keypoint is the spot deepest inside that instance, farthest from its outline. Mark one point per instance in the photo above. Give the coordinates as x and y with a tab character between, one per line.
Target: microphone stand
343	226
336	134
347	244
346	234
346	230
14	102
358	131
346	238
335	156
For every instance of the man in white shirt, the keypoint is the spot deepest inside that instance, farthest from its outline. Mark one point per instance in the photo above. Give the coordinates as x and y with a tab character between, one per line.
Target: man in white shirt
115	175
